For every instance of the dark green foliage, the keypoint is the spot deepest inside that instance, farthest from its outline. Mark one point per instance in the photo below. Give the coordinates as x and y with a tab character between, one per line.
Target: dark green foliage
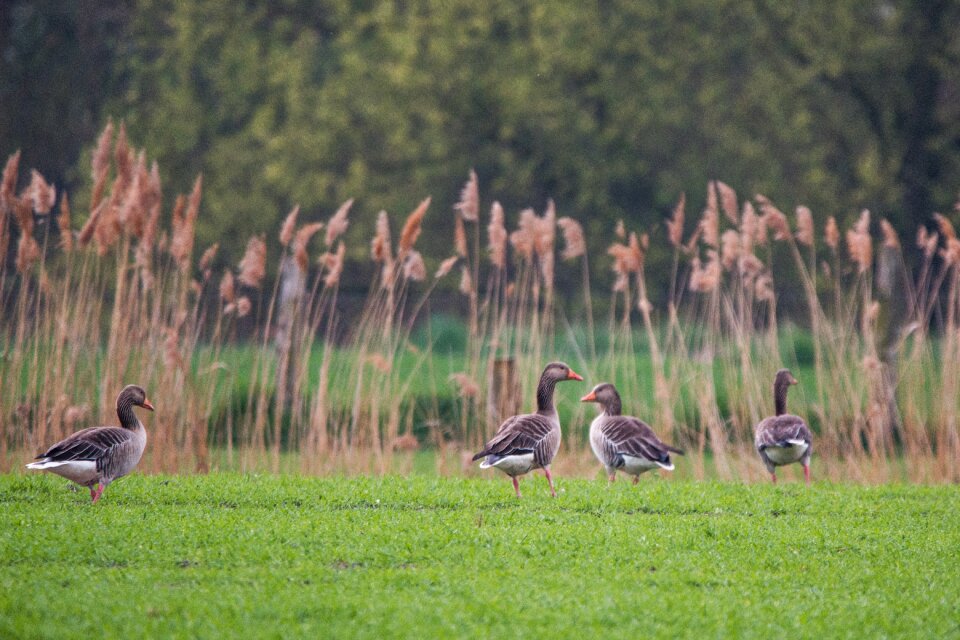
255	556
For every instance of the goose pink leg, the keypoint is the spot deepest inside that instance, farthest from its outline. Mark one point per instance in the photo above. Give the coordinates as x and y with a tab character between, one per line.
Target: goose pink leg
612	477
550	480
99	492
806	473
516	486
636	479
773	476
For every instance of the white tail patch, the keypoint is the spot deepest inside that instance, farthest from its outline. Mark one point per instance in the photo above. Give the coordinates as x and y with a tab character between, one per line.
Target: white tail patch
667	467
80	471
511	465
798	443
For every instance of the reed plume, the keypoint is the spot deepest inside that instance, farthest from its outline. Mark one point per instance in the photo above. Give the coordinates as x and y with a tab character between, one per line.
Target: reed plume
338	223
288	226
675	223
411	228
253	265
574	244
469	204
497	237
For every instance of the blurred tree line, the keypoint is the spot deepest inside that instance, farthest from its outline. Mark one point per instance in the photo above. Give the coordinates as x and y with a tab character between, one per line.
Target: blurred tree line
611	108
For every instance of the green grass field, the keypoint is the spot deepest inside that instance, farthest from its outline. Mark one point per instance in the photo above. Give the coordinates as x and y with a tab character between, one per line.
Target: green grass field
286	556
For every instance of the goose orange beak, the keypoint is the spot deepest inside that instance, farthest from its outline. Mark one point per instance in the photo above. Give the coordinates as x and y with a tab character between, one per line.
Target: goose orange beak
590	397
147	405
574	376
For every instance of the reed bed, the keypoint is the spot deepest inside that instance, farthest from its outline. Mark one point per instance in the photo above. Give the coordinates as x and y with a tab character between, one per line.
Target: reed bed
127	297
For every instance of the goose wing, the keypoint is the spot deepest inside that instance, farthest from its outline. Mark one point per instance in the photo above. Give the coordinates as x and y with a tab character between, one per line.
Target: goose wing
780	431
518	435
89	444
633	437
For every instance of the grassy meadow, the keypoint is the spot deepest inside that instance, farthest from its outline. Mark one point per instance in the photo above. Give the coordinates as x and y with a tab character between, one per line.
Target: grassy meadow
423	556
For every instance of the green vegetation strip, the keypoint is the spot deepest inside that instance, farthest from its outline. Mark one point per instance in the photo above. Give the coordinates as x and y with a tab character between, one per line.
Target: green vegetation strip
280	556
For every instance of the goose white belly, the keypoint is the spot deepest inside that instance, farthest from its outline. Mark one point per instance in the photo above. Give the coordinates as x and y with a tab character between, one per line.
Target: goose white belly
515	465
786	455
635	466
83	472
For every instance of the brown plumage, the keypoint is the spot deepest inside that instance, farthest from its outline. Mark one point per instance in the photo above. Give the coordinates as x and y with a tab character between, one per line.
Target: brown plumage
530	441
623	442
97	456
783	438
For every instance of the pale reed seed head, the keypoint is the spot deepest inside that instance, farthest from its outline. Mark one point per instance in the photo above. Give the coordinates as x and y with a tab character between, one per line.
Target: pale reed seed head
546	231
122	157
890	238
90	226
638	249
466	282
863	222
63	221
675	223
380	249
228	291
28	251
691	247
8	186
774	219
729	249
927	241
951	252
728	201
805	229
466	386
872	311
386	274
446	266
710	219
469	205
748	227
497	237
626	257
412	226
42	194
243	306
413	267
705	277
574	245
946	227
334	265
860	248
100	163
831	233
288	226
207	258
524	237
300	241
253	266
750	265
621	230
644	306
177	247
460	237
338	223
763	288
181	246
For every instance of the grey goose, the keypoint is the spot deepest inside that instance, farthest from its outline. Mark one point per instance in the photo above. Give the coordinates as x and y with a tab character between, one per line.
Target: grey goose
97	456
783	438
530	441
624	443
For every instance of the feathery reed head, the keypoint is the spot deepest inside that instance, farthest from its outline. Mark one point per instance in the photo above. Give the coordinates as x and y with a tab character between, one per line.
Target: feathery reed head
42	195
729	249
460	237
380	249
413	267
805	229
890	238
333	263
228	292
411	228
831	233
469	205
774	219
524	237
728	201
574	244
859	243
253	265
675	223
338	223
289	224
446	266
497	237
300	241
710	220
63	222
207	258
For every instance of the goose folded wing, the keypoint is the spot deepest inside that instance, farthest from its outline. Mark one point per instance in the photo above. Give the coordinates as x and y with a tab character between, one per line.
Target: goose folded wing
778	431
633	437
89	444
518	435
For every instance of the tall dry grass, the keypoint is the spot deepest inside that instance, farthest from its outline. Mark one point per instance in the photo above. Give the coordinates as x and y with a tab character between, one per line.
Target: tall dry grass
126	296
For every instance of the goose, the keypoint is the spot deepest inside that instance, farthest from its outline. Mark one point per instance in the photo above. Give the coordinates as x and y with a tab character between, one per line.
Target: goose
623	442
530	441
97	456
783	438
